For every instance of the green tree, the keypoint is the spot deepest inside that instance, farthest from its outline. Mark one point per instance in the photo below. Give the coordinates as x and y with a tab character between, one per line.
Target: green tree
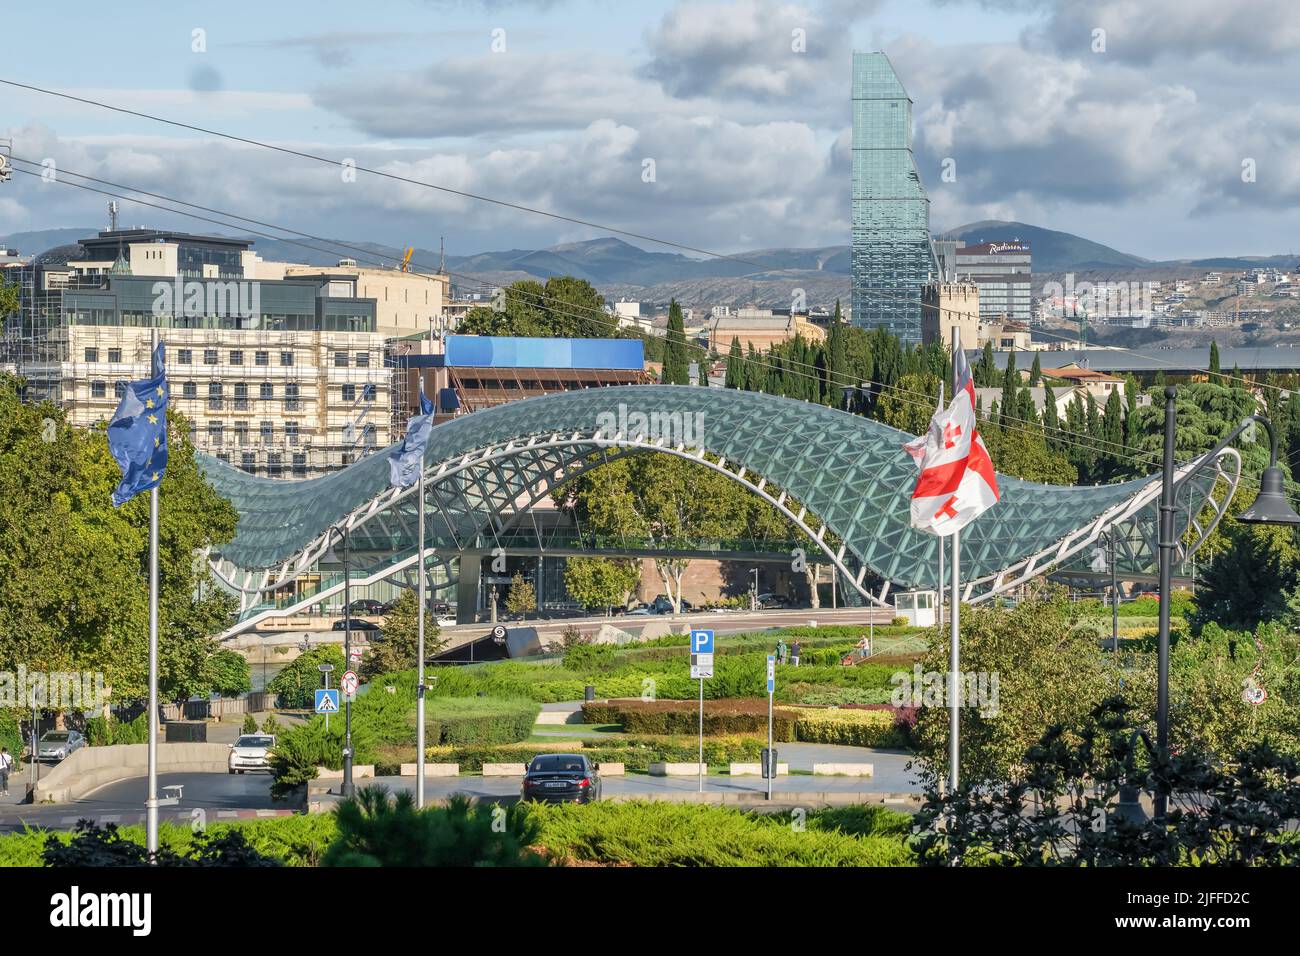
1036	372
909	404
676	362
522	596
602	582
735	366
399	649
297	682
73	569
9	301
1214	360
228	673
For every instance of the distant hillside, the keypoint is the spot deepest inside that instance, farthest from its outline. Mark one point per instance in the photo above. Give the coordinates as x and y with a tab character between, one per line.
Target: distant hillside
1053	251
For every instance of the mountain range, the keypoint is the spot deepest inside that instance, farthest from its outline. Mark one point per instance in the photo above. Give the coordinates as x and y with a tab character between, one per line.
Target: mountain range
766	276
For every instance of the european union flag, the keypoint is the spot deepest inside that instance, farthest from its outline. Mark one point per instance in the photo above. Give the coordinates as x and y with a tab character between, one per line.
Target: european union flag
408	458
137	433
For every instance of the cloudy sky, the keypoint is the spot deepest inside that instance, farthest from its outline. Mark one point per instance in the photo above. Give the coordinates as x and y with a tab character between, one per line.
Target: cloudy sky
1126	121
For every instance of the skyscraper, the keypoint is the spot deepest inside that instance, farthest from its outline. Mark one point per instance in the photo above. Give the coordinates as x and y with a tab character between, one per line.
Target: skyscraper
892	254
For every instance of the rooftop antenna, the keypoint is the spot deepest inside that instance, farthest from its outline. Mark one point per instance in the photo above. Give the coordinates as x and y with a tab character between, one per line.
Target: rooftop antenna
442	255
112	215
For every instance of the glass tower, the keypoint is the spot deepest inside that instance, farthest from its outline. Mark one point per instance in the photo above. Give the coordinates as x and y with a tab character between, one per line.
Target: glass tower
892	255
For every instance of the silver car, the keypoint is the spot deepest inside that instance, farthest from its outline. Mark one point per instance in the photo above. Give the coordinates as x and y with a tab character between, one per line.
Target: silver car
251	752
56	745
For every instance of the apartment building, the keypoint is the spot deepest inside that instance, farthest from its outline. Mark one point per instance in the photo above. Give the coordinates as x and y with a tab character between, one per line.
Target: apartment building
277	376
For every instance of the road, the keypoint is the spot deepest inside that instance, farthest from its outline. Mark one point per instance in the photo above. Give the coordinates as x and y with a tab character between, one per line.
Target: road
220	796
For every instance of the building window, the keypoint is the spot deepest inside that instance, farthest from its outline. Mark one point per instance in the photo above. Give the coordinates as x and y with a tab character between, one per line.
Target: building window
189	390
92	355
115	355
119	389
368	392
185	357
340	359
248	462
214	395
299	464
262	358
241	396
98	390
236	357
286	358
349	393
268	432
273	466
291	432
291	396
214	434
267	391
209	356
363	360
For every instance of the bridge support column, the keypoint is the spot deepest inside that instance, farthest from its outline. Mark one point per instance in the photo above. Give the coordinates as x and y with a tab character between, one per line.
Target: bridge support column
467	586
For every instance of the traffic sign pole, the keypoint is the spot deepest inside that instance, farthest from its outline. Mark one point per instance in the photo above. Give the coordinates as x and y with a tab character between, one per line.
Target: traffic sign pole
771	687
701	667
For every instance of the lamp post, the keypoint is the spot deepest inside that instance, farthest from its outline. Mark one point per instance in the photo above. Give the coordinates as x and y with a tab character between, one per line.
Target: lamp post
753	595
1270	507
331	557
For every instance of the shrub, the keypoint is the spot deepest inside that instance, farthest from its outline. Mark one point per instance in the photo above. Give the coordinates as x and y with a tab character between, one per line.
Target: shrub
249	726
480	720
635	753
585	658
683	717
11	733
376	830
856	727
103	733
669	834
270	725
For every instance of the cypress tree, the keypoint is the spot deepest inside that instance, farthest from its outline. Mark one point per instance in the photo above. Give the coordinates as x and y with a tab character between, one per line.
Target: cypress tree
735	365
1214	359
677	370
1036	373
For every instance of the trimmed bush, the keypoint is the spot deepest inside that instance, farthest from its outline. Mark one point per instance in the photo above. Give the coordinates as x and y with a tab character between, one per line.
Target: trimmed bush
479	720
683	717
104	733
636	753
856	727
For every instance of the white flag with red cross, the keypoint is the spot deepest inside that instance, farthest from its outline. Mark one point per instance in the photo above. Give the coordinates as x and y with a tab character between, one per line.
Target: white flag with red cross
957	482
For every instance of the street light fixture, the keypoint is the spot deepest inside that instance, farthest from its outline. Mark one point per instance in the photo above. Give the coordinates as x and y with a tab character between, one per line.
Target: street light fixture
331	557
1270	507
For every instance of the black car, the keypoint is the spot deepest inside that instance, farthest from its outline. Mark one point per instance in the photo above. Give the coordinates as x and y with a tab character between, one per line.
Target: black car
367	606
566	778
357	625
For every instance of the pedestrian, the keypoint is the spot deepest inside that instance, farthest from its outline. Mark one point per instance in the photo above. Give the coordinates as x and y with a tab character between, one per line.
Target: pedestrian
6	765
781	650
794	653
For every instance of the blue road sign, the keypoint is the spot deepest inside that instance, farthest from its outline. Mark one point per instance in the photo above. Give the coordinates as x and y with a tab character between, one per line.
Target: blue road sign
327	701
701	641
771	673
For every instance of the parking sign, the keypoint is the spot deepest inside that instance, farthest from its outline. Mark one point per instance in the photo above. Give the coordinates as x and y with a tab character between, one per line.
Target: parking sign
701	641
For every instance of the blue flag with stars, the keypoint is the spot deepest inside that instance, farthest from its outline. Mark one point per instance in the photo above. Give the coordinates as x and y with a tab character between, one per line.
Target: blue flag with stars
137	433
408	458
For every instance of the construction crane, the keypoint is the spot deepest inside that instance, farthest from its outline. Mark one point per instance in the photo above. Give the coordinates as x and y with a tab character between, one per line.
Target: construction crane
406	259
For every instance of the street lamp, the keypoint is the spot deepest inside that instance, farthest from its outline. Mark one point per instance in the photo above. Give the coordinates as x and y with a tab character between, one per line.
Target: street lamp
1270	507
331	558
753	600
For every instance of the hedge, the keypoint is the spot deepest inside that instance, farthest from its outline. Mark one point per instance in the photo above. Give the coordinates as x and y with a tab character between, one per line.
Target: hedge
479	720
635	753
683	717
856	727
634	833
102	733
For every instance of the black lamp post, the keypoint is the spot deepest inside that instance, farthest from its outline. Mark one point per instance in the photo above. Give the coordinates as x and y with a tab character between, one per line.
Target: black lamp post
331	558
1270	507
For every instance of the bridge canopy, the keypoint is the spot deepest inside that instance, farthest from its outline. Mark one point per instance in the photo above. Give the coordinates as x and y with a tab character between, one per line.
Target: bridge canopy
850	472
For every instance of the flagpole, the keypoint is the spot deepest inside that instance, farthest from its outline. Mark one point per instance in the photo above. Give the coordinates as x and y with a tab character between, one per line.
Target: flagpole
151	794
941	539
954	620
419	653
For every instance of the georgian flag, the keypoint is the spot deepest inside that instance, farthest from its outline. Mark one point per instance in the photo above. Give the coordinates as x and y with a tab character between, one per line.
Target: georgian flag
957	482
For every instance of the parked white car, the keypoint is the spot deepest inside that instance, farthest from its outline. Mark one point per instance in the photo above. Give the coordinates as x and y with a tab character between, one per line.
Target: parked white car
251	752
56	745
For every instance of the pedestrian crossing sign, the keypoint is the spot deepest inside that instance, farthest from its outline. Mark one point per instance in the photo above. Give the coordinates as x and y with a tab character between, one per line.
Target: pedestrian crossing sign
327	701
